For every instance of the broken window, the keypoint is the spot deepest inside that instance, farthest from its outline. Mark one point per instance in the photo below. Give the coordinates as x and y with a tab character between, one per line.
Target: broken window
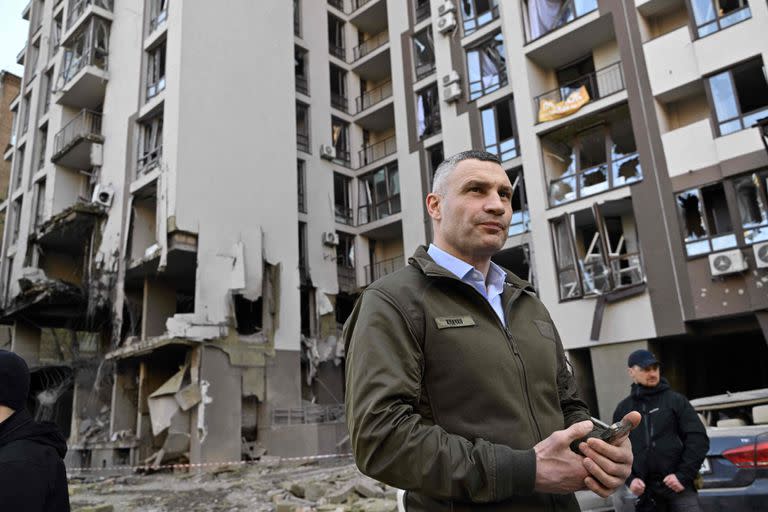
345	263
150	143
713	15
593	161
339	98
158	13
706	222
342	198
476	13
751	198
486	65
156	71
340	138
423	53
573	76
300	69
89	47
378	195
302	185
517	260
248	314
739	96
302	127
597	250
500	129
428	112
544	16
520	217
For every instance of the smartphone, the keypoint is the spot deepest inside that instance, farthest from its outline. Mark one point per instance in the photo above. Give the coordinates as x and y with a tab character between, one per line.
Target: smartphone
608	433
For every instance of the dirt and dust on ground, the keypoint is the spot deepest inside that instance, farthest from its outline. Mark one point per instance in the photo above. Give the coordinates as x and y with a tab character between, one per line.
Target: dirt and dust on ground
266	485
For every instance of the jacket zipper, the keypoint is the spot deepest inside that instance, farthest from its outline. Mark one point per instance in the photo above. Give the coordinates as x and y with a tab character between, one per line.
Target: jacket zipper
511	341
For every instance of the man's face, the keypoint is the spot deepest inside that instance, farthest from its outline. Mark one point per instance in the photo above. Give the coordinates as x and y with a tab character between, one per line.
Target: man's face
472	216
648	376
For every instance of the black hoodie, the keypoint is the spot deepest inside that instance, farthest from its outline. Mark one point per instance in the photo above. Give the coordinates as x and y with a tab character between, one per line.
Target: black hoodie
670	438
32	473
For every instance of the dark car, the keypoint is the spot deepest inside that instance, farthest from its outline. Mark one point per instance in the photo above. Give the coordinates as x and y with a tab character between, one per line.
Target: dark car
735	472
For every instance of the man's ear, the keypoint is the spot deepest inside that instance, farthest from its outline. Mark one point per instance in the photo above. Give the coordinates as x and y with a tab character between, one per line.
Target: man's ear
433	205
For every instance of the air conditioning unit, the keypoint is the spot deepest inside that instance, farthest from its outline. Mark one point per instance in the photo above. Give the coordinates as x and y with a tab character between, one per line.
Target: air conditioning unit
445	7
451	78
330	238
452	92
103	194
761	254
727	262
446	23
327	152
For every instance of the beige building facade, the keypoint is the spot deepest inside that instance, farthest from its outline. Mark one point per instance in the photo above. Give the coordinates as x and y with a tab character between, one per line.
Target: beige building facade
191	218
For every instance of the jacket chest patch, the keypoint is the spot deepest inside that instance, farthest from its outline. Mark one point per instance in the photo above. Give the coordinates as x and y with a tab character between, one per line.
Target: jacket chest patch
447	322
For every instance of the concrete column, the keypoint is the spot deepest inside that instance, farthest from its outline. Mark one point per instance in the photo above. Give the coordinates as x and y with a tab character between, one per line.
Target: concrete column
124	398
25	342
609	365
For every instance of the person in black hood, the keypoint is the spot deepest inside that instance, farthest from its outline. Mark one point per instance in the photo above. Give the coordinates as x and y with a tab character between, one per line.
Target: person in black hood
32	473
668	446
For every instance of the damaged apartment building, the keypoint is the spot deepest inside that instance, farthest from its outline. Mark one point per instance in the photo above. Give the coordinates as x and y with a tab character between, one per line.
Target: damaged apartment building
184	240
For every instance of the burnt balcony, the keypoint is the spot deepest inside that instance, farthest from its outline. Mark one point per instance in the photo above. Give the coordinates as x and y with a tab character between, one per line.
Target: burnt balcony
76	144
375	152
381	268
567	99
375	111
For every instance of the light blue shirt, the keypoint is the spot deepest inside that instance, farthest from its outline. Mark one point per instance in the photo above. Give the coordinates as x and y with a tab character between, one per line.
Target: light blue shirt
490	288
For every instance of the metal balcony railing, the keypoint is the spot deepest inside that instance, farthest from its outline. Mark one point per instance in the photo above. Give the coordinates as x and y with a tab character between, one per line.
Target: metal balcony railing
344	215
423	12
369	45
302	142
599	84
337	51
375	152
383	208
150	158
374	96
86	124
472	24
425	69
346	277
78	7
301	84
380	269
339	101
159	17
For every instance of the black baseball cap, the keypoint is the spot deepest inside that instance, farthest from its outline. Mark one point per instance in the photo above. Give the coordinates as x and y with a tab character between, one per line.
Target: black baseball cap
14	380
641	358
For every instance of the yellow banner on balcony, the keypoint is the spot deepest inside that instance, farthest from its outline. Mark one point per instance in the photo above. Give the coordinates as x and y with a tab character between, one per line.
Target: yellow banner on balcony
550	110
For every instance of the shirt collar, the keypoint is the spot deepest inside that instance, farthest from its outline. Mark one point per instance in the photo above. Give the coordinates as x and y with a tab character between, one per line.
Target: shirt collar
460	268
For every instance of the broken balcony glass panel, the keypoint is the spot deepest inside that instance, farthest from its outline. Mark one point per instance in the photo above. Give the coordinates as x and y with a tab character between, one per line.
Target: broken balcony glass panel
706	222
750	195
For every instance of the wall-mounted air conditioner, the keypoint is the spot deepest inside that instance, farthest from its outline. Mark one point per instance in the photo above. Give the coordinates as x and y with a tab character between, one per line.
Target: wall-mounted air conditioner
330	238
445	7
452	92
451	78
103	194
727	262
327	152
446	23
761	254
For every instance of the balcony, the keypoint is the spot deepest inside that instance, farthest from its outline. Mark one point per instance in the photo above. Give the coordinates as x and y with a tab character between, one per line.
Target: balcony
347	278
375	152
382	268
79	142
423	12
383	209
158	15
576	33
340	102
301	85
302	142
375	110
369	16
370	60
569	98
85	80
595	180
78	8
337	51
344	215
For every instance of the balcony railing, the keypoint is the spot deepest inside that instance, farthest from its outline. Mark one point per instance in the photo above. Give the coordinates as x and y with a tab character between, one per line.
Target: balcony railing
339	101
301	84
343	156
337	51
381	210
375	152
74	63
595	180
344	215
569	12
423	12
159	17
86	124
425	69
78	7
339	4
347	278
369	45
374	96
150	158
566	99
155	88
359	4
302	142
309	414
382	268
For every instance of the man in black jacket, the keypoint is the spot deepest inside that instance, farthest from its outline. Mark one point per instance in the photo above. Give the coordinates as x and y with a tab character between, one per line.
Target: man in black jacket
32	474
670	443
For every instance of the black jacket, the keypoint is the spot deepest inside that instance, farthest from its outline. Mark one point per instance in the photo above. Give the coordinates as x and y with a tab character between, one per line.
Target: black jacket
670	438
32	474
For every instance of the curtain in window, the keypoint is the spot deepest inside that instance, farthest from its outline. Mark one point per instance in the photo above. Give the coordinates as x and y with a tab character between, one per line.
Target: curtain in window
543	16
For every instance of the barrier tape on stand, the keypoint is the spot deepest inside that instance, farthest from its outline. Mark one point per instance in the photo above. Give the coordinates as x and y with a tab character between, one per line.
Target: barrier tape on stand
212	464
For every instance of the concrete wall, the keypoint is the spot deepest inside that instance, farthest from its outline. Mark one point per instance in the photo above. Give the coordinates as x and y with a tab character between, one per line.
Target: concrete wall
609	363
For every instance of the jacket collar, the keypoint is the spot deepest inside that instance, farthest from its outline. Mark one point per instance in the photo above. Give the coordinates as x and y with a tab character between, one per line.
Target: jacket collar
422	261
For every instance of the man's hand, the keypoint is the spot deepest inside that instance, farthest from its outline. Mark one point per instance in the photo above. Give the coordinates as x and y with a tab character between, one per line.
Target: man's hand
673	483
637	487
608	465
558	469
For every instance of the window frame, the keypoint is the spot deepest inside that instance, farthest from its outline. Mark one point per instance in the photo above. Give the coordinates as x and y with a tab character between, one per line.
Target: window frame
301	179
391	200
428	68
303	139
509	101
156	70
696	28
715	122
433	118
150	134
473	22
705	221
502	74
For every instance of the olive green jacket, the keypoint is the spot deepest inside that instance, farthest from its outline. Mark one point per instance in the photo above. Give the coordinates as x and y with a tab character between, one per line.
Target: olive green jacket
446	402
